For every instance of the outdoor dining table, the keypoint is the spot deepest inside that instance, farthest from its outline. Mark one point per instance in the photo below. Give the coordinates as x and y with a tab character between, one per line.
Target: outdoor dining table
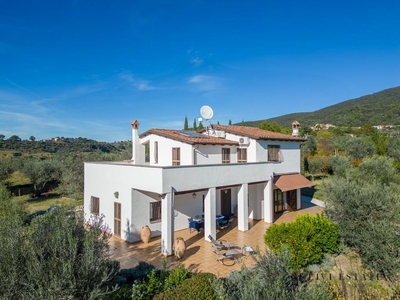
198	224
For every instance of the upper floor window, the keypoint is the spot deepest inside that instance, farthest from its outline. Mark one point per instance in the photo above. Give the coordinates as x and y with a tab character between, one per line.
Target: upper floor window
226	155
156	152
241	155
176	156
274	152
155	211
147	152
95	205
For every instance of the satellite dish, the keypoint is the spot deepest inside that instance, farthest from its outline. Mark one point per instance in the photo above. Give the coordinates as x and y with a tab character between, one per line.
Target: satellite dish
206	112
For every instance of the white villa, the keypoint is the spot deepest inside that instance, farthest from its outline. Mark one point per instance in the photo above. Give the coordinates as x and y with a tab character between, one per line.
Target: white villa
175	175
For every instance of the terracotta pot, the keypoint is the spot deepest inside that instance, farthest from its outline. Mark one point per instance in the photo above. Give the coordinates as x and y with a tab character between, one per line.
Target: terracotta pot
145	234
179	247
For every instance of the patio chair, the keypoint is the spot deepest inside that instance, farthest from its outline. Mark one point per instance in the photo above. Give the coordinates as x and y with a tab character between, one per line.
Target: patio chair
228	258
220	244
222	223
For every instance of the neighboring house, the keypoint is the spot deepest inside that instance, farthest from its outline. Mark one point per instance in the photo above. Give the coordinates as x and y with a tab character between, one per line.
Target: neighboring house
175	175
322	126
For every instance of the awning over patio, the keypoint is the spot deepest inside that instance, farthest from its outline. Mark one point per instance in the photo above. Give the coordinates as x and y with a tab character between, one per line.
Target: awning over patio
292	182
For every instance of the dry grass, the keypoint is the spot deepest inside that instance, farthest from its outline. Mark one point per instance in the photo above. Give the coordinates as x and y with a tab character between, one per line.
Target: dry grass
350	280
43	202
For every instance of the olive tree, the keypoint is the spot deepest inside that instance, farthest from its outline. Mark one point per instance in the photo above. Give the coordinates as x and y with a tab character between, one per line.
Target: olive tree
5	169
55	256
339	164
41	172
315	165
360	147
365	203
394	148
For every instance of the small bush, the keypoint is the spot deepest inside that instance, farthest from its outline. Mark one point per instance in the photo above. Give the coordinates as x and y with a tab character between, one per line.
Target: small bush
159	281
176	277
140	272
151	286
197	287
308	239
328	262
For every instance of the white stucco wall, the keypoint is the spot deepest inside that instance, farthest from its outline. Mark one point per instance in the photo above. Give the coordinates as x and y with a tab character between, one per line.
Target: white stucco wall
290	155
251	146
165	150
212	154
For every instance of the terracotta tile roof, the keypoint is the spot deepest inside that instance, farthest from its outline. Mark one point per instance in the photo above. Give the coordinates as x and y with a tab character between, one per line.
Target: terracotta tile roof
190	137
257	133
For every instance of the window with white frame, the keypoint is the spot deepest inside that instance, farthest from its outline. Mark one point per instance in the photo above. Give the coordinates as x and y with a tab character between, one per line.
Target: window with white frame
155	211
147	152
156	152
95	205
241	155
226	155
176	156
274	152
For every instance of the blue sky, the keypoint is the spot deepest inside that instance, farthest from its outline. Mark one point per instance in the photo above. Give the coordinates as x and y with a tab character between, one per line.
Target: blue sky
88	68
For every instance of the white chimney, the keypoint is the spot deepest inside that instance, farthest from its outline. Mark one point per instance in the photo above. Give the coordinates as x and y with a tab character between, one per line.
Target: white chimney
295	128
135	142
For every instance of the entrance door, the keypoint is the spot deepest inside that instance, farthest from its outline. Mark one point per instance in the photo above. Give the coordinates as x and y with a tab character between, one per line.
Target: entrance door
117	219
291	200
226	208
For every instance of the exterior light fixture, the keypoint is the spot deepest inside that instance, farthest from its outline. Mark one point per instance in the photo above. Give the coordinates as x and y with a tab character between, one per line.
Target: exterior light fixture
116	195
194	195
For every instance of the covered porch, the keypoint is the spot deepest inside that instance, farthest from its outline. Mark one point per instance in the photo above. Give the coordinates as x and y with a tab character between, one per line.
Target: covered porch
199	256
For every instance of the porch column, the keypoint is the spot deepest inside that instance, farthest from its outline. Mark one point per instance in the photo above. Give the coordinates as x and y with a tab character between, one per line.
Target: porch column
269	202
167	224
298	197
210	211
243	207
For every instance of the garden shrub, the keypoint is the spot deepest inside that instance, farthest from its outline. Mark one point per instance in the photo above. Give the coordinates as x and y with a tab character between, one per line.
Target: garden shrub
308	238
271	278
159	281
139	272
197	287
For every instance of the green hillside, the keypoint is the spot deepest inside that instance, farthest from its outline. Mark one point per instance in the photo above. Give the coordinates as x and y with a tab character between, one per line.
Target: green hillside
381	108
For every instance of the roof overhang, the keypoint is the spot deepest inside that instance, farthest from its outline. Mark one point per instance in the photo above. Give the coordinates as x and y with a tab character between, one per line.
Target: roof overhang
290	182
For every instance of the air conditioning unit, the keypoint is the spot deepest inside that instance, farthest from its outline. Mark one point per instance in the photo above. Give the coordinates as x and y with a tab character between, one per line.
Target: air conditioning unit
220	134
244	141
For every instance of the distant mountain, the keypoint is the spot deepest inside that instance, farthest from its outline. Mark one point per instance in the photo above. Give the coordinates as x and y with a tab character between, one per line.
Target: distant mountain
381	108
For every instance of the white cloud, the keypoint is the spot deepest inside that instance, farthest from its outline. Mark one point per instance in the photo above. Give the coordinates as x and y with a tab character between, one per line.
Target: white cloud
197	61
204	83
141	85
198	78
